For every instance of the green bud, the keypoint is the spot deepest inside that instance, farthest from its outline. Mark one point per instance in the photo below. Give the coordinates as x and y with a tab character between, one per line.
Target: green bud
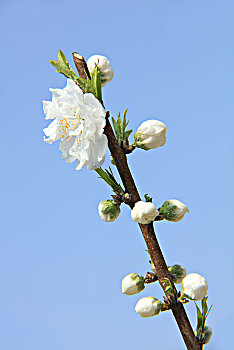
173	210
178	271
108	210
204	335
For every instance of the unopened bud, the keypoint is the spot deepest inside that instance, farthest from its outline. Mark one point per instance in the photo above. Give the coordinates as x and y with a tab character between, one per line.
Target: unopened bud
148	307
204	335
132	284
178	271
108	211
104	66
144	212
194	286
173	210
150	134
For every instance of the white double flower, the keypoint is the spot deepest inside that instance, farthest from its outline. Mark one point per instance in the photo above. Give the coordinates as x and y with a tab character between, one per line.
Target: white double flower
79	121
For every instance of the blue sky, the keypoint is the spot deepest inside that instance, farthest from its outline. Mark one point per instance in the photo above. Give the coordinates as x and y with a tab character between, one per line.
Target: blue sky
60	265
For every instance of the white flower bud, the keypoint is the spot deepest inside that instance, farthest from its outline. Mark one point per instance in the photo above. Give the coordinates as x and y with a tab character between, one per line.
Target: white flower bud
148	307
104	66
194	286
173	210
144	212
108	211
133	284
178	271
150	134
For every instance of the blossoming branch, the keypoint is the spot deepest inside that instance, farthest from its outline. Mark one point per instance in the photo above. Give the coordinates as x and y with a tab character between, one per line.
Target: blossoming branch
81	123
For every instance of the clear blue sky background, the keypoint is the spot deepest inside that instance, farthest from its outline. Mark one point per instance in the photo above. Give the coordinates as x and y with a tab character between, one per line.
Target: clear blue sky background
60	265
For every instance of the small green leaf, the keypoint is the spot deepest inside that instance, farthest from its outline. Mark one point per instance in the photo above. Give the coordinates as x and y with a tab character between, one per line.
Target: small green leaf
204	306
95	83
63	66
127	133
199	317
148	198
151	261
119	125
109	178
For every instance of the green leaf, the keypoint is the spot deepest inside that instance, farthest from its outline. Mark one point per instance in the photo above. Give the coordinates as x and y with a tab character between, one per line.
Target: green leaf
109	178
63	66
151	261
199	317
204	306
120	126
127	133
95	86
148	198
92	85
116	129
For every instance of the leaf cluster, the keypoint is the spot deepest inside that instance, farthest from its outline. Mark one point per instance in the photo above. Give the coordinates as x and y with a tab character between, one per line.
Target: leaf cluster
109	178
202	314
91	85
120	126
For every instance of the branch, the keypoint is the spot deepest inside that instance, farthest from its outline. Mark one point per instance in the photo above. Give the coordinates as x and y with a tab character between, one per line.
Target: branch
151	241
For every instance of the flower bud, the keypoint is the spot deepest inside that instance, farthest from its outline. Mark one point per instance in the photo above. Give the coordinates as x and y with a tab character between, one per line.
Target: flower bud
104	66
178	271
144	212
132	284
204	335
173	210
207	334
108	211
194	286
150	134
148	307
